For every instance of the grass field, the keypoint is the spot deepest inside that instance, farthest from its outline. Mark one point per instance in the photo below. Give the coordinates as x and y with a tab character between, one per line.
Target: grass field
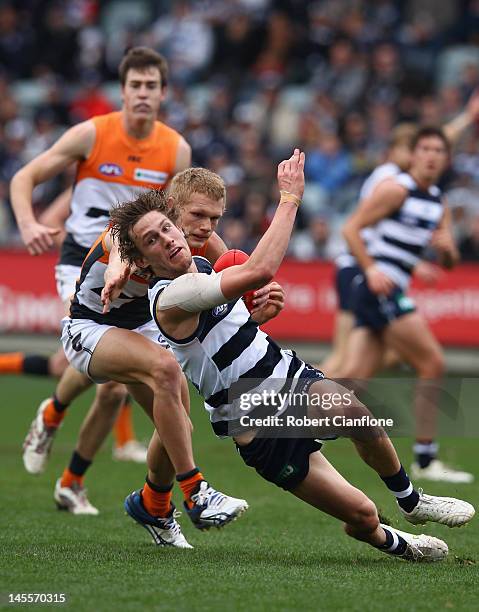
281	555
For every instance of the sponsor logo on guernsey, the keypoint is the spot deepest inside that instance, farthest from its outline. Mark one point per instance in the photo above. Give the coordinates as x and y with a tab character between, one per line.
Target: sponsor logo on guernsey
150	176
111	169
219	311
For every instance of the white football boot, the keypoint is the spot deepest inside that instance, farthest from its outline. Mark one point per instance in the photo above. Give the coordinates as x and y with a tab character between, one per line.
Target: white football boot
420	548
38	443
438	471
164	531
131	451
212	508
73	499
444	510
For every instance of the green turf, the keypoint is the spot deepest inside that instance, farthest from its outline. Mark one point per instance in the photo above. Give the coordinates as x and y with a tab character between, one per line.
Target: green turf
281	555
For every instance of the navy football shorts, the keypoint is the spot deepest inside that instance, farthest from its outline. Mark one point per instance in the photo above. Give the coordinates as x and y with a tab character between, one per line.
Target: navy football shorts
378	311
344	285
281	460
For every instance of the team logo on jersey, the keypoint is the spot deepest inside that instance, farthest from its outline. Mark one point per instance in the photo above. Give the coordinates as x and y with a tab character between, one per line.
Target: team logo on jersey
111	169
76	340
150	176
219	311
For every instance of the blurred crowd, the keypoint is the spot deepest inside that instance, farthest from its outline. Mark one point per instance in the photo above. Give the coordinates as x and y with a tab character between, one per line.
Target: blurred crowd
250	79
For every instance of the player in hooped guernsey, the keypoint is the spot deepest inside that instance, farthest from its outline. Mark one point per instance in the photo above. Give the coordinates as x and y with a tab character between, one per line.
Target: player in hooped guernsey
408	214
398	160
231	363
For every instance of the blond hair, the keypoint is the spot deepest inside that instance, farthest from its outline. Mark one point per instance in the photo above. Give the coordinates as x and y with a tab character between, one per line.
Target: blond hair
402	134
196	180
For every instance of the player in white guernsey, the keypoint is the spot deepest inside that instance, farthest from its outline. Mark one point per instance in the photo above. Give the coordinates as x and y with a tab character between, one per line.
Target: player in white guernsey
347	270
228	358
408	215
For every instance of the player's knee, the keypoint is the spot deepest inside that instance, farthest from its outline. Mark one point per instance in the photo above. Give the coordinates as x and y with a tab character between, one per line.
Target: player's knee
364	519
111	394
434	366
57	364
166	372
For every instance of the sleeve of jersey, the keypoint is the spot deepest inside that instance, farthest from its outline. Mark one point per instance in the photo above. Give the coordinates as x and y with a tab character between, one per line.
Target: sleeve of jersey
192	292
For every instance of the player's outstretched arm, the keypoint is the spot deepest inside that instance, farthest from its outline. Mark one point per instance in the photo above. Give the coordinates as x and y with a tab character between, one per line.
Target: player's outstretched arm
74	145
456	126
178	307
265	260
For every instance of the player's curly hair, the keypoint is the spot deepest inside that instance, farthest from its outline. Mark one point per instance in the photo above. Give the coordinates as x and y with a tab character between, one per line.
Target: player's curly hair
125	216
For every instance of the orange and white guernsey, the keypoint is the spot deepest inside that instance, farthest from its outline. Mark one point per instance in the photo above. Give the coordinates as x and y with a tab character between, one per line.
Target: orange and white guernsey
129	310
118	167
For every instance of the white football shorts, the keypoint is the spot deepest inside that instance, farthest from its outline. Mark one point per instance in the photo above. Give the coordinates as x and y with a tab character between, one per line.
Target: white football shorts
81	336
66	277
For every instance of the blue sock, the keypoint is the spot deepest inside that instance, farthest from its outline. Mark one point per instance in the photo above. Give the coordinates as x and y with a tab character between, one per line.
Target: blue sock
401	487
425	452
394	544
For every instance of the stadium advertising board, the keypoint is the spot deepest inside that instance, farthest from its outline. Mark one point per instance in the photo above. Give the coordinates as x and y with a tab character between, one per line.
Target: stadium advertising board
29	303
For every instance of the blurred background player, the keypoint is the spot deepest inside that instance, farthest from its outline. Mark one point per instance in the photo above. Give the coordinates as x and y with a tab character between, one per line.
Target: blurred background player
117	154
398	160
408	214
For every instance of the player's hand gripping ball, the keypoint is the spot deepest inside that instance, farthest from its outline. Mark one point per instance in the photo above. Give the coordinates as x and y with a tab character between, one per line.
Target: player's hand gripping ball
235	257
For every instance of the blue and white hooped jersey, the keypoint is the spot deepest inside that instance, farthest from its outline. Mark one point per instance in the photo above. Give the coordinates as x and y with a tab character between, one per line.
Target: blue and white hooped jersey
228	357
401	238
378	175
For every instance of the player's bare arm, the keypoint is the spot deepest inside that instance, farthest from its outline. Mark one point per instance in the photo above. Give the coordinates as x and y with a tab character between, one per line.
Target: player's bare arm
385	199
116	274
56	214
74	145
456	126
443	241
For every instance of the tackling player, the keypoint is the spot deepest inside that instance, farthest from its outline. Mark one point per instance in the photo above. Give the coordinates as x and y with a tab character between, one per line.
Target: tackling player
200	196
226	355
